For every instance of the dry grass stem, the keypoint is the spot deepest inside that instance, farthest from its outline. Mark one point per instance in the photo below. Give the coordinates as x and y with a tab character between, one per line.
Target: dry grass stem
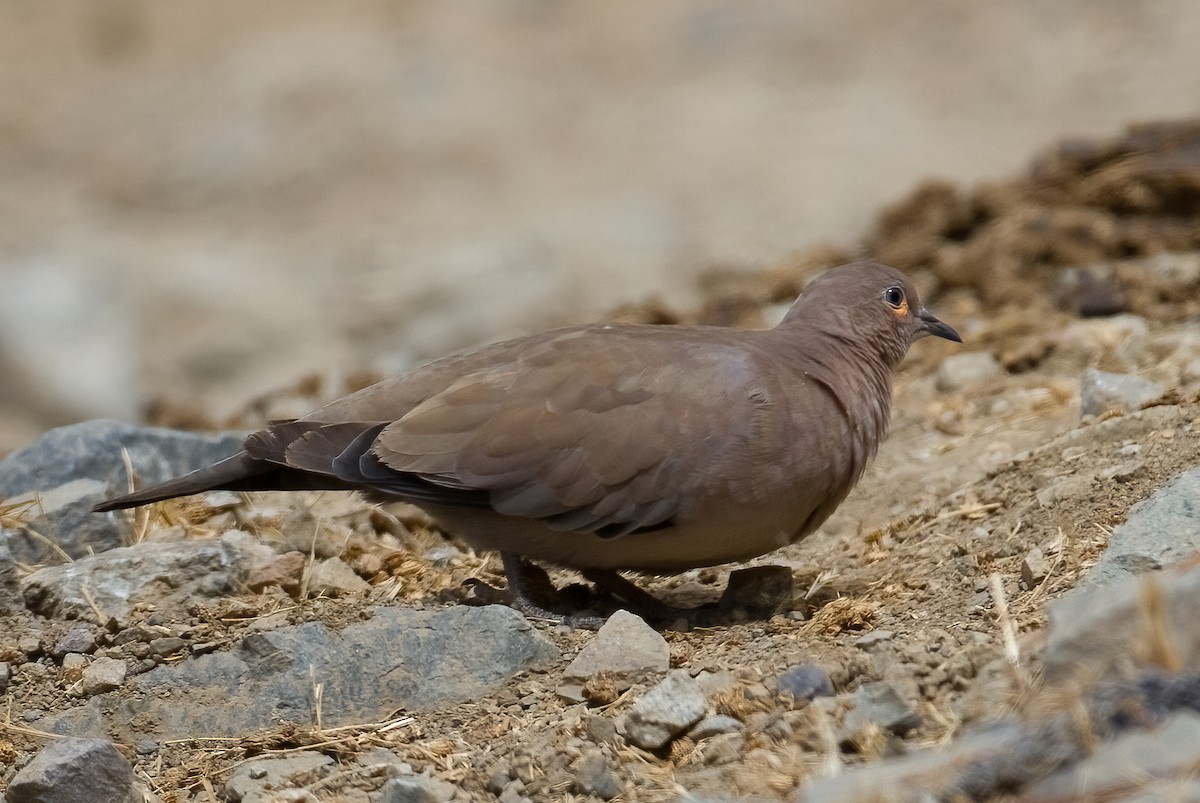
1008	631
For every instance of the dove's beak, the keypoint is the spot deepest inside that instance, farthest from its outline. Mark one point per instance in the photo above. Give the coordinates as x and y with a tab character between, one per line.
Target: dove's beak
932	326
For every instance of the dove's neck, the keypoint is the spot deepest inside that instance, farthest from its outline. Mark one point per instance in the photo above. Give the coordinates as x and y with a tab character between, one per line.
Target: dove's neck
854	373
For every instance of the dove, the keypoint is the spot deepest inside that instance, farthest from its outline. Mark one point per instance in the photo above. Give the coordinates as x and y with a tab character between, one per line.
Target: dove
615	447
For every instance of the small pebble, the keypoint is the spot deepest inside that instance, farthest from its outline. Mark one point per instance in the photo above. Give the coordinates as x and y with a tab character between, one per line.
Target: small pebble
714	725
1034	568
601	730
878	636
806	682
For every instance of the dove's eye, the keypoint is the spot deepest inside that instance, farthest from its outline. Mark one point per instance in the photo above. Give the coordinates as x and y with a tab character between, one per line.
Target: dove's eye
894	296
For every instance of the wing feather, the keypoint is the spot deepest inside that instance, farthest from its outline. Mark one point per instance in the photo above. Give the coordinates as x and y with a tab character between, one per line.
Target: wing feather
613	447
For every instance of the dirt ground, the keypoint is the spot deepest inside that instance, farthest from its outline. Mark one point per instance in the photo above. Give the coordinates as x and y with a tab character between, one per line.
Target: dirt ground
959	492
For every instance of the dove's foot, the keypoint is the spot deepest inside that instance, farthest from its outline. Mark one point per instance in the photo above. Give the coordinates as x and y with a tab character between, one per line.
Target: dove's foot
531	592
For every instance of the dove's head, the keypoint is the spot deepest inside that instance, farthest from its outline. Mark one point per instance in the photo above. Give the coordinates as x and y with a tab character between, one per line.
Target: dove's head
868	305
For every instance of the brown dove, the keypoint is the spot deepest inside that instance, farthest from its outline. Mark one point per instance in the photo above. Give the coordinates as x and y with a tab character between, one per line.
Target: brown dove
614	447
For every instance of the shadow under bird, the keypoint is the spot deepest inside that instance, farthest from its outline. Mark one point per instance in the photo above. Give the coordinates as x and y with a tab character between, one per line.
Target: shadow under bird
613	447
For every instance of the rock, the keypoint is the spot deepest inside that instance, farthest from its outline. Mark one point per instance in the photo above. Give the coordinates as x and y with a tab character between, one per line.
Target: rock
1084	341
73	467
1100	392
1122	472
872	638
670	708
880	704
254	780
758	588
593	776
1171	750
959	371
929	774
333	577
714	725
806	682
73	770
1091	292
717	683
513	792
285	571
78	639
103	674
601	730
399	658
5	675
166	645
170	574
1034	568
73	664
10	584
1157	532
1100	632
416	789
625	648
724	749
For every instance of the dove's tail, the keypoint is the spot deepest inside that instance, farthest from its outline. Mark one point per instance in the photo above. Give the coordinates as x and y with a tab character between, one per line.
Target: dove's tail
241	472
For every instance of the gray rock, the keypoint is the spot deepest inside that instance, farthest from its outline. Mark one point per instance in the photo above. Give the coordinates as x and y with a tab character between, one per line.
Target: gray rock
166	645
333	577
759	587
873	637
668	709
72	770
626	648
806	682
880	704
1158	531
171	574
10	584
1100	632
399	658
513	792
593	776
724	749
103	674
714	725
715	683
1100	392
963	370
73	467
256	779
1171	750
416	789
930	774
78	639
5	675
1034	568
601	730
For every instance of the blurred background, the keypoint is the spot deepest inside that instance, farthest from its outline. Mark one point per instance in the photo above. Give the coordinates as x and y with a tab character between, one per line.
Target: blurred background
201	202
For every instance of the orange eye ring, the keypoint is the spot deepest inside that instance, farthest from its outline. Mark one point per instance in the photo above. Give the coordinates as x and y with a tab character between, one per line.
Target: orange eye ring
894	298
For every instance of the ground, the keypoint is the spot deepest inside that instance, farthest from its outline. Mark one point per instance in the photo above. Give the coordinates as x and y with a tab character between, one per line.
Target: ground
987	460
